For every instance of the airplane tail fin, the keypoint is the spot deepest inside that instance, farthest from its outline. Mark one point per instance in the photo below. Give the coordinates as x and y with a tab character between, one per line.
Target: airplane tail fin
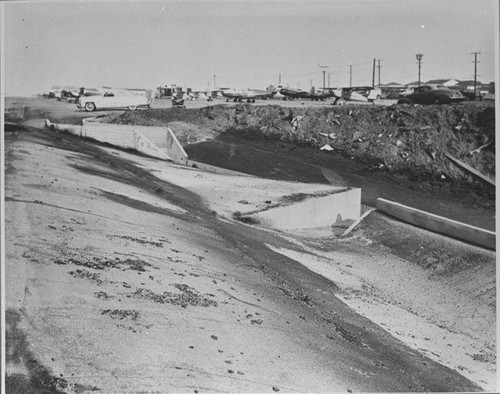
271	89
149	95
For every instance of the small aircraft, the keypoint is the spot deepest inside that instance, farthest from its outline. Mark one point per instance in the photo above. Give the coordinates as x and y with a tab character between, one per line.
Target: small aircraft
238	95
313	94
360	93
325	93
210	93
292	93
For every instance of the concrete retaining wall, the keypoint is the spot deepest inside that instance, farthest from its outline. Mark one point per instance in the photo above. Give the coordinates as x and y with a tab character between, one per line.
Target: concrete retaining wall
315	212
438	224
155	141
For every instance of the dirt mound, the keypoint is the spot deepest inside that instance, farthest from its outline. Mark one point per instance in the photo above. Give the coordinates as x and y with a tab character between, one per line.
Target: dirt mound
406	140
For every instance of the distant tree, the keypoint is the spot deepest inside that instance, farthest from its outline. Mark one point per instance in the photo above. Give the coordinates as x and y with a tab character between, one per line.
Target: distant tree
491	87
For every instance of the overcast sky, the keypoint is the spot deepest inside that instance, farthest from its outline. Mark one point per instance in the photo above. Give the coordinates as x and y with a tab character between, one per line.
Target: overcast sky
243	43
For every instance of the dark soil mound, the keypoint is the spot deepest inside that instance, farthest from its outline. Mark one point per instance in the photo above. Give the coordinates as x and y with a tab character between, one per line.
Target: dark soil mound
410	141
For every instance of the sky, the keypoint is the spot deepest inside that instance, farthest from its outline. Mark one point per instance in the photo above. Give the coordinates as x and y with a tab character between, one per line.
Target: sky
243	44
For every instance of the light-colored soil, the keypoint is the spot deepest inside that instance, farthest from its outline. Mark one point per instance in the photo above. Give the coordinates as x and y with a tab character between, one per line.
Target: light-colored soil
450	319
126	274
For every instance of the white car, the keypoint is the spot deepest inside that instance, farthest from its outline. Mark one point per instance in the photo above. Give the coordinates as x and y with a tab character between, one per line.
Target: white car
115	99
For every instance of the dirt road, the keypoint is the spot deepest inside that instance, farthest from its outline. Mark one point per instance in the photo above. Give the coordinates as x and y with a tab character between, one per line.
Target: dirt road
126	274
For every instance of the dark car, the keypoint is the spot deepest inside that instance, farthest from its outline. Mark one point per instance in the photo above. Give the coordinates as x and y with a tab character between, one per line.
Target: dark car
432	94
467	93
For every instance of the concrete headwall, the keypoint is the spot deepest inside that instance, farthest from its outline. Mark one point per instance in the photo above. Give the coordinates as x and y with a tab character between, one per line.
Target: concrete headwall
315	212
154	141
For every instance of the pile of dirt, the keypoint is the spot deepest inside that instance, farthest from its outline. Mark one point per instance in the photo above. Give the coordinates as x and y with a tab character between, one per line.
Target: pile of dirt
406	140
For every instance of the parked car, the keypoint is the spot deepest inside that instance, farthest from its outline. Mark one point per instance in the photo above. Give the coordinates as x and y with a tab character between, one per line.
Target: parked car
467	93
114	99
432	94
55	92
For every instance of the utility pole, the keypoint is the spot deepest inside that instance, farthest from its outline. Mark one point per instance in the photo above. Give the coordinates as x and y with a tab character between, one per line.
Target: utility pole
350	75
419	58
475	69
324	72
378	66
328	79
215	85
279	84
373	73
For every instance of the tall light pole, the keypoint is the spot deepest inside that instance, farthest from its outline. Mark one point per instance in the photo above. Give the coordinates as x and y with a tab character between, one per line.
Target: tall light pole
324	72
379	67
475	70
373	73
350	75
419	58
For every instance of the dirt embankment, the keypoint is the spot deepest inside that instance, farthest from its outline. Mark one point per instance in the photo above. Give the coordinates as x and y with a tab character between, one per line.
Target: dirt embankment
411	141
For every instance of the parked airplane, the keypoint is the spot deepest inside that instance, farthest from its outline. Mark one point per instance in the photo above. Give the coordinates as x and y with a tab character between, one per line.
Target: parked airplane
323	94
360	93
210	93
292	93
237	95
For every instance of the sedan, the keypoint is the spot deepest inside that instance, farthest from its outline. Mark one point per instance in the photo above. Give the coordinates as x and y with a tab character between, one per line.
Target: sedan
114	100
432	94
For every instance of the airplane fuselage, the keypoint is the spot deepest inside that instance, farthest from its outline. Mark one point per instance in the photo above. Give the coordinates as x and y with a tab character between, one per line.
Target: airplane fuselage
249	95
291	94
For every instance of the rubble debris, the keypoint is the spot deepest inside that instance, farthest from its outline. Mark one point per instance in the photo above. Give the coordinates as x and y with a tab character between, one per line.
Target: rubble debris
432	153
470	169
84	274
326	147
417	127
479	148
121	314
295	123
187	296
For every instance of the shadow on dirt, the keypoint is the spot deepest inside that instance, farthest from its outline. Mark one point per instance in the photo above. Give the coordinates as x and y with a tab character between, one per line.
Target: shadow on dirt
18	357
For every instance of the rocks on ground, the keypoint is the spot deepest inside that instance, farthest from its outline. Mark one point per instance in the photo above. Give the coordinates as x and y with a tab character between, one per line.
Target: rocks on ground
411	141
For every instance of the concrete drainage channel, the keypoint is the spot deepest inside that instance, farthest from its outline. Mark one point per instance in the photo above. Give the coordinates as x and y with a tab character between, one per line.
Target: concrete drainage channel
341	205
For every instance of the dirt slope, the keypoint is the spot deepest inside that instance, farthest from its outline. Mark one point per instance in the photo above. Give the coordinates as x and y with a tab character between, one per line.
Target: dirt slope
111	288
399	139
397	153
